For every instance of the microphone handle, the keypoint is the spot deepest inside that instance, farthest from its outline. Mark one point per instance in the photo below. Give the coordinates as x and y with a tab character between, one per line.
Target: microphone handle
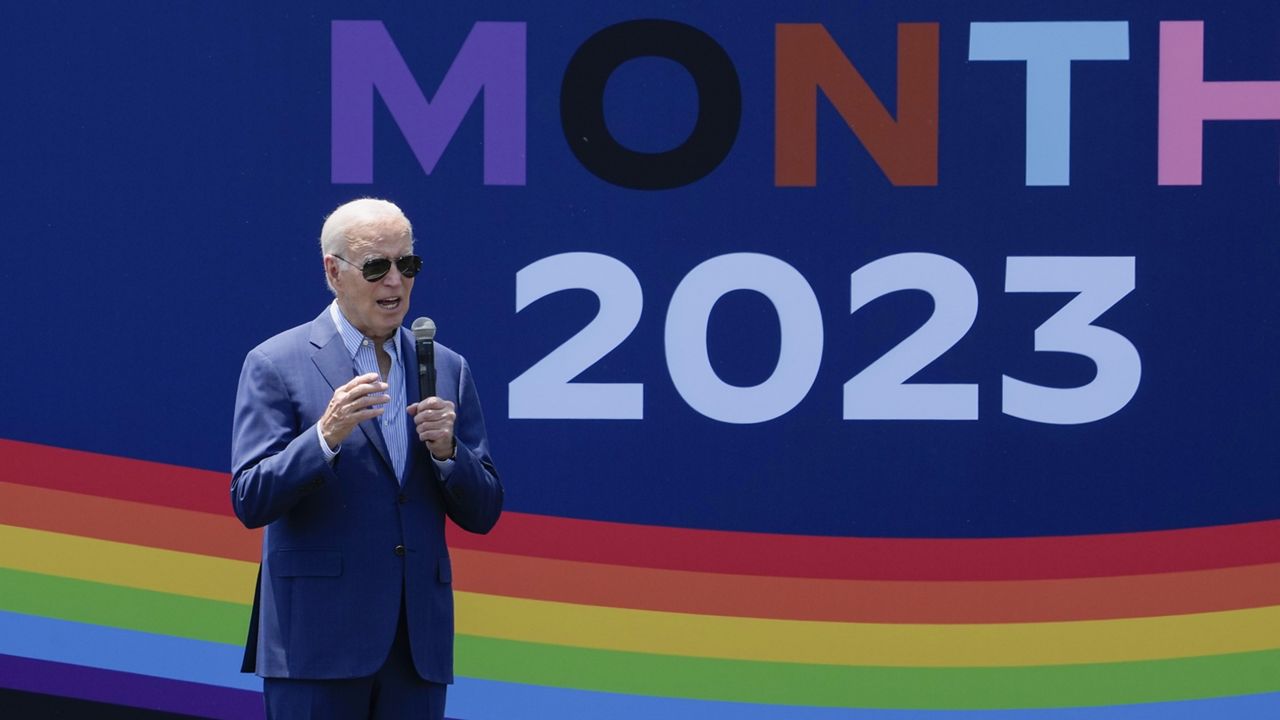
426	368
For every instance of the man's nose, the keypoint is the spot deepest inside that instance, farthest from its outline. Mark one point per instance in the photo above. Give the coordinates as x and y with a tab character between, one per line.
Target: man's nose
393	277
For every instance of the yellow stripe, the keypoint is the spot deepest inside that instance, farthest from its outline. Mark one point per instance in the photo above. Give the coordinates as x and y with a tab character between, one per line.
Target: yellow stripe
133	566
833	643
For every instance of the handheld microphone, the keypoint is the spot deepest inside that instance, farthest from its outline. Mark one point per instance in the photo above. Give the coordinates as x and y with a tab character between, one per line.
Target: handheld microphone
424	333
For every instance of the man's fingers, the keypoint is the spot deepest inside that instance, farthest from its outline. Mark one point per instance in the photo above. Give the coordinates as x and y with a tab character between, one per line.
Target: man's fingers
433	408
365	401
360	398
366	388
360	380
369	414
440	420
433	435
435	403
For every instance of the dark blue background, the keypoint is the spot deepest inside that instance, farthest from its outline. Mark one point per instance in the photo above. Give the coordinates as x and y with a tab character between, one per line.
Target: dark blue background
166	170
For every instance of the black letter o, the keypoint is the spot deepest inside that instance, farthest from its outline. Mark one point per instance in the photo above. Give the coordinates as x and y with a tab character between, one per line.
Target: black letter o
582	104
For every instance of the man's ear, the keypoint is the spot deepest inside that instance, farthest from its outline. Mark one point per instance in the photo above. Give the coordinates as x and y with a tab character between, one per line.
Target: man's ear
331	269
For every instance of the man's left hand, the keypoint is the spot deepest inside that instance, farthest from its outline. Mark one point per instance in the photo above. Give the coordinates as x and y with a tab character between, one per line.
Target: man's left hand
434	419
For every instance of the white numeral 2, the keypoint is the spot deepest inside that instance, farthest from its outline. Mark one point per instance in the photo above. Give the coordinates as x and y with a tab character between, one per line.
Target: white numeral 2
545	390
881	392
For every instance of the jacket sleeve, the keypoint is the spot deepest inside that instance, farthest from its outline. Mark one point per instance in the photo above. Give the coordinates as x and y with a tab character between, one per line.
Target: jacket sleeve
472	491
274	462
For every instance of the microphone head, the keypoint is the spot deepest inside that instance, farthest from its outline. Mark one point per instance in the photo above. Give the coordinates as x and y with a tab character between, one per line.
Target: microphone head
424	329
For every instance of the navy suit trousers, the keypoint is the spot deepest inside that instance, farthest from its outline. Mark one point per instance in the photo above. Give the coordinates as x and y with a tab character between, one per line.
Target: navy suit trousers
396	691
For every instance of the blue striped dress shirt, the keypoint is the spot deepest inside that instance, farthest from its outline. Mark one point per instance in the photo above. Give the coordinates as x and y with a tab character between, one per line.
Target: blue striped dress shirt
364	360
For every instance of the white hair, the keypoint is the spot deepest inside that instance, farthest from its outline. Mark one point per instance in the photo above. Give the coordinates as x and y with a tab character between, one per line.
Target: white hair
351	216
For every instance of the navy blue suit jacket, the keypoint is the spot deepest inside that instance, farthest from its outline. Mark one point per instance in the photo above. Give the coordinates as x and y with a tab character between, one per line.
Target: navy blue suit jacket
343	541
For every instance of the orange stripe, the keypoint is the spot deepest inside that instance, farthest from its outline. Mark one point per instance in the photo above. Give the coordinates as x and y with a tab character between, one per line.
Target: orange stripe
992	601
127	522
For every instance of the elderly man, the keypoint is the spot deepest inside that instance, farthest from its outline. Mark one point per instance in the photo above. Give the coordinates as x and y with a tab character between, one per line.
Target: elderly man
352	478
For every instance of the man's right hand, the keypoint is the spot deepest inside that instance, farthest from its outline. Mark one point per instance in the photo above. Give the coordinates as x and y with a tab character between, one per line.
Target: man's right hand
351	405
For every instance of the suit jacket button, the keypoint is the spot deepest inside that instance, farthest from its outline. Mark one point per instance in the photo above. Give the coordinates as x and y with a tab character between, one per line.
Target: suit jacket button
402	499
400	551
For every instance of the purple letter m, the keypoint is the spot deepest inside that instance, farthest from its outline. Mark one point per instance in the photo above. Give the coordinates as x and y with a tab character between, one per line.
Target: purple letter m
491	59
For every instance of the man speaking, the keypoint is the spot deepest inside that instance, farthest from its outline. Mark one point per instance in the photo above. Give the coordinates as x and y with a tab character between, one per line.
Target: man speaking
352	469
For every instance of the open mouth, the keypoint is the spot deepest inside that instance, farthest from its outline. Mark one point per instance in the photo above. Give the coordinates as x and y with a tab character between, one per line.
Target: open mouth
389	303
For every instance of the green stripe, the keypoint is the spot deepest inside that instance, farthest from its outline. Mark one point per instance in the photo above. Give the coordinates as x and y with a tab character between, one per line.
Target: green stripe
868	687
122	607
692	677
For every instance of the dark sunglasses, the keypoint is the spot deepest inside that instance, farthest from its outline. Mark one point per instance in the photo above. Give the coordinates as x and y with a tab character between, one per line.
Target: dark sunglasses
377	268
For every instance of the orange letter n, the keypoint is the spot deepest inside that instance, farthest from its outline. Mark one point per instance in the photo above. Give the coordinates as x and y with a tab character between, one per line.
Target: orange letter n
808	58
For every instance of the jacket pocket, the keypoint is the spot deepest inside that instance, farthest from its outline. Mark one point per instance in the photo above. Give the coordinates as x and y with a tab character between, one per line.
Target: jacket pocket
306	563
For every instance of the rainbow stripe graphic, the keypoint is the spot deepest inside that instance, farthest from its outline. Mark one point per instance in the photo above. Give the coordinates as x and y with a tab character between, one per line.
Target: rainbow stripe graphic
129	582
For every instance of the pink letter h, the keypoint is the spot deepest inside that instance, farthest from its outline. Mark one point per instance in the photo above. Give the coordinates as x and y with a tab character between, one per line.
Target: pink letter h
1186	101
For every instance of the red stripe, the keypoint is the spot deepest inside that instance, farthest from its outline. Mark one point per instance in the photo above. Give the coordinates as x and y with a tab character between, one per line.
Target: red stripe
741	553
116	477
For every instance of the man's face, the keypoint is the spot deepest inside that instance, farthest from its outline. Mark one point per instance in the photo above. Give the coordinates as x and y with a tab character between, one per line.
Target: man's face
376	308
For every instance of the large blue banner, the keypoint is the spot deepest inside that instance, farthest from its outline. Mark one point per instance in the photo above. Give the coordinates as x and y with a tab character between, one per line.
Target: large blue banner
728	276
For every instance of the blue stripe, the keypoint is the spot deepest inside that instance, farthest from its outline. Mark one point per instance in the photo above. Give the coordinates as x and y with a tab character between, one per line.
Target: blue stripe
473	699
109	648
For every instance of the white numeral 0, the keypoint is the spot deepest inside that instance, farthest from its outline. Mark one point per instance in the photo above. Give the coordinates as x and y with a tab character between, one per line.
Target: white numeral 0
686	338
1101	282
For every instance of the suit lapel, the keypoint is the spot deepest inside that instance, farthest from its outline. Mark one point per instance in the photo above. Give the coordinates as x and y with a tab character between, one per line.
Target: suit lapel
334	363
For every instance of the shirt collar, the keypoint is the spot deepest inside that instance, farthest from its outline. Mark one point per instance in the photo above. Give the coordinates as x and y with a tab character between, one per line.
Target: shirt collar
352	338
